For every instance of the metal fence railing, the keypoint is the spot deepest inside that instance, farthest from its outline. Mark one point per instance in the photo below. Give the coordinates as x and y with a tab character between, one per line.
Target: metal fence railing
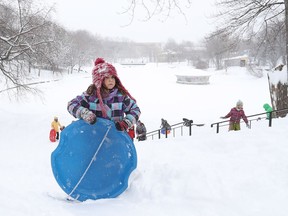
185	127
178	127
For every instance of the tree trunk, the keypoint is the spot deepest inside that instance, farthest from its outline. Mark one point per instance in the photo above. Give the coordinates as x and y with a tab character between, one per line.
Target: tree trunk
278	92
279	97
286	31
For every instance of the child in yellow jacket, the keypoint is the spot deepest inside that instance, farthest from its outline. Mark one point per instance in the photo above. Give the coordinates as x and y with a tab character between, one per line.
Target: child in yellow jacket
56	126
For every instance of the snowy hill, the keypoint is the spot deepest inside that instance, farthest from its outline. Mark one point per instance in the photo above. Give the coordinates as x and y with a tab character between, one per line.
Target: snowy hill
241	173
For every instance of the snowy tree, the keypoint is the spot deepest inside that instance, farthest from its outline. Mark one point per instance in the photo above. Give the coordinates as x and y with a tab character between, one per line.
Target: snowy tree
20	36
249	19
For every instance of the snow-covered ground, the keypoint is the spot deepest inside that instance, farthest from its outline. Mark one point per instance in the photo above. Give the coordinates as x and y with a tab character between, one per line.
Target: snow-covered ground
243	173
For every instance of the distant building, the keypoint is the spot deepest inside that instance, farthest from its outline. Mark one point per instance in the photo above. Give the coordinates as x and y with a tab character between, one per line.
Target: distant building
241	61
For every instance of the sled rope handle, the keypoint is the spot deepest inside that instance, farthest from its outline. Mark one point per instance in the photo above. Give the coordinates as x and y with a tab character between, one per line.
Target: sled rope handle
93	159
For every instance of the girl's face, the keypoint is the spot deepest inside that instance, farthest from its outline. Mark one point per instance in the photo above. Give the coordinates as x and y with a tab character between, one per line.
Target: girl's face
109	82
239	107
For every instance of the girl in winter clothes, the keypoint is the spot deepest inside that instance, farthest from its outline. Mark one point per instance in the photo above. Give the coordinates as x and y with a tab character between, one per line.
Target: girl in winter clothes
56	126
105	98
235	115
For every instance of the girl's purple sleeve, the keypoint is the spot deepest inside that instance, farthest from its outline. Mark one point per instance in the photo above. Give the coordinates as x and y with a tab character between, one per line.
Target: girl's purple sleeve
131	110
75	106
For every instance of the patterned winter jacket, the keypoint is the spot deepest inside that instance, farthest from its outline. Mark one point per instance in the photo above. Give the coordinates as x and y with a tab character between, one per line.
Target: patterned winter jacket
116	104
236	115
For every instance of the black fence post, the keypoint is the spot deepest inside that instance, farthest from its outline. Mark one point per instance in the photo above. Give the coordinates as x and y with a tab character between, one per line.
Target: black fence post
270	119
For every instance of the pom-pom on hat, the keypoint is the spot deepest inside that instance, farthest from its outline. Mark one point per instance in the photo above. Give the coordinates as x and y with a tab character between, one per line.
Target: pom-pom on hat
239	103
101	70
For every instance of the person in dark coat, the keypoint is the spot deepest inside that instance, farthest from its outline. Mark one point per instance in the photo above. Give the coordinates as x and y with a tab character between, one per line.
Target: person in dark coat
165	126
141	131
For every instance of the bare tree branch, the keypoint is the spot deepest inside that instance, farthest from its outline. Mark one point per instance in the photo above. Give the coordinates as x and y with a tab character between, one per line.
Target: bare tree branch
163	8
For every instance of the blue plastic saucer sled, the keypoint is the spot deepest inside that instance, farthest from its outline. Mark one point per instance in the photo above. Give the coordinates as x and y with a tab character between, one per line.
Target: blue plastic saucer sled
93	161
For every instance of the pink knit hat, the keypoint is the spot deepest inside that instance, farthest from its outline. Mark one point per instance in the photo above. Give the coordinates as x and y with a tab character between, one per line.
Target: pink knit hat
101	70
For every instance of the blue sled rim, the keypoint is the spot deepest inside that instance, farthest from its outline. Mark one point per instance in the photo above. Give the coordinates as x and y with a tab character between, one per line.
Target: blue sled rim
93	161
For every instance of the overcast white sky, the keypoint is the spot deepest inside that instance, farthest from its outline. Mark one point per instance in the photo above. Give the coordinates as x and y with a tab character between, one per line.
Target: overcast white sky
105	19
